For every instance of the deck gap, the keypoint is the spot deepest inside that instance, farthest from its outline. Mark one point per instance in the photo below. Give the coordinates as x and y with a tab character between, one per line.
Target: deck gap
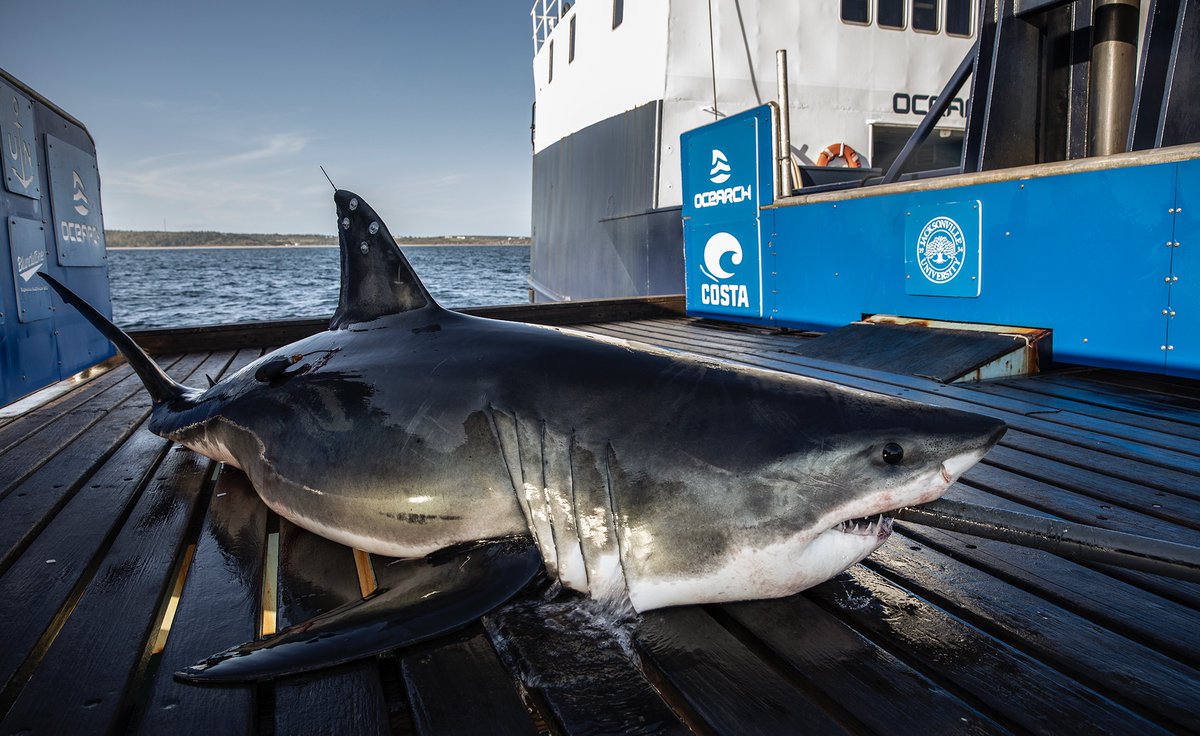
13	688
144	675
269	594
835	710
669	694
1016	643
395	695
264	704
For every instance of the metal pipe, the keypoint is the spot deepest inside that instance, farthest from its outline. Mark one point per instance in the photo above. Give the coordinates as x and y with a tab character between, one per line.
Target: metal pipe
1076	541
784	162
936	110
1111	75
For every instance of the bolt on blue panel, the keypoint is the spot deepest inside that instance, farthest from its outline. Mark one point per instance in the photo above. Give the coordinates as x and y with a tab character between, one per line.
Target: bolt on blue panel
727	178
21	171
943	249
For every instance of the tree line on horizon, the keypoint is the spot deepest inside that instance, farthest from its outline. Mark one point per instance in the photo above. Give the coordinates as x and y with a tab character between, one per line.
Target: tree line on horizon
205	238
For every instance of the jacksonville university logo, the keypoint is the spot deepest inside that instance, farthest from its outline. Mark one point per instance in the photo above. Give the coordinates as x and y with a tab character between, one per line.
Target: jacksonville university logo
717	294
941	249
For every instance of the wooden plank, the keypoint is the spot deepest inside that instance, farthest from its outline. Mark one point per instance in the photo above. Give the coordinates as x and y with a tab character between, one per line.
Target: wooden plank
1005	683
878	688
1148	619
33	503
575	659
25	457
1119	395
441	679
18	428
1150	501
85	681
1067	504
1021	390
258	334
218	609
1125	671
726	685
316	575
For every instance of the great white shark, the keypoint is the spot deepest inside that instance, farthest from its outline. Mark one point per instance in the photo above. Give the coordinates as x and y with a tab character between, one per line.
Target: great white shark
641	475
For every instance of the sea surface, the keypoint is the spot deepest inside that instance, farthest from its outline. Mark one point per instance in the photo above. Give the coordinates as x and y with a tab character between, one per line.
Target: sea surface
204	286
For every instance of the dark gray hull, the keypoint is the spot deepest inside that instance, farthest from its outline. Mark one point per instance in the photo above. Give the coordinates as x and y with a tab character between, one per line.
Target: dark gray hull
597	230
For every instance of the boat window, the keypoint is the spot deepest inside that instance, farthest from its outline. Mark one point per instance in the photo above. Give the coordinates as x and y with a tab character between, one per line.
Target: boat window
925	15
856	11
550	64
618	12
571	42
890	13
958	17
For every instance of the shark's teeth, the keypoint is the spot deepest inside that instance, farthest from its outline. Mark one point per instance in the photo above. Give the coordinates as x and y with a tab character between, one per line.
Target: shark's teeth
866	526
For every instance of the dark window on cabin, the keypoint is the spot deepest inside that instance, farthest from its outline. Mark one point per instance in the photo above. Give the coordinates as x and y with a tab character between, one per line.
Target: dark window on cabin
618	12
925	15
856	11
550	64
571	42
958	17
890	13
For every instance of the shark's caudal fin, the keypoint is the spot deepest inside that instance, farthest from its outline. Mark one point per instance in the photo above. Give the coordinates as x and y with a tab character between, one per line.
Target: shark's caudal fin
376	277
160	386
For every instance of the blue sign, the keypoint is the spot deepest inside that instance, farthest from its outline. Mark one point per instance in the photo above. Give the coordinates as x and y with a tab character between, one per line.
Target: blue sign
75	196
21	172
727	178
943	249
27	245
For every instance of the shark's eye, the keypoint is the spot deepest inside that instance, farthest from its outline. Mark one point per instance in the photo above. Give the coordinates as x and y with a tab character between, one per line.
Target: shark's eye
892	453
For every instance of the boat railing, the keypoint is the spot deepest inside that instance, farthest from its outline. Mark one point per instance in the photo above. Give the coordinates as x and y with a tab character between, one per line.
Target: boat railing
545	16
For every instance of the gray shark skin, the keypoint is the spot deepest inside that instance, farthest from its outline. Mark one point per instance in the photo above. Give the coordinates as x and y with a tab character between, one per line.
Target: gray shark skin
641	474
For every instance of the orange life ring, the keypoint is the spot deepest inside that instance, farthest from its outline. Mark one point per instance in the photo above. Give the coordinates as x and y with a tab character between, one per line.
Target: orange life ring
834	150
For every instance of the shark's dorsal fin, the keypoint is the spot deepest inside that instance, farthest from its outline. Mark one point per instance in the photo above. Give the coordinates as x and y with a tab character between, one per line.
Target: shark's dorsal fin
377	279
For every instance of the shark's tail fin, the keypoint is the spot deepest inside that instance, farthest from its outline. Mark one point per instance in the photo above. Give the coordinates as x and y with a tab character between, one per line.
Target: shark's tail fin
162	388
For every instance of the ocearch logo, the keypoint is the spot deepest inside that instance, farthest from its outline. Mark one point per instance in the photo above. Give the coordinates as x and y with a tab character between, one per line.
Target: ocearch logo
719	173
717	294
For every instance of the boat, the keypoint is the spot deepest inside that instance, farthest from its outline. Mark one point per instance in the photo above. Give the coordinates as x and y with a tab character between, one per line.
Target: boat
617	83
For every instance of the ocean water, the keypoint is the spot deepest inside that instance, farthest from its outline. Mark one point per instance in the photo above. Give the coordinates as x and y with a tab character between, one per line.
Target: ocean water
204	286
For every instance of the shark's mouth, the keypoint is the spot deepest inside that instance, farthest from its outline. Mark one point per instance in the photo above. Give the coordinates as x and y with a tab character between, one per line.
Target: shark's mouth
878	526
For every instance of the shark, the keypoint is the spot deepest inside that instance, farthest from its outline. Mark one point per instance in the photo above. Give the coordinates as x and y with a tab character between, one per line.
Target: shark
637	475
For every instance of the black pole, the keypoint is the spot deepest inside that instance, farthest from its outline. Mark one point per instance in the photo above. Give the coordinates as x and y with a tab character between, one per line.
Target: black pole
935	113
1077	541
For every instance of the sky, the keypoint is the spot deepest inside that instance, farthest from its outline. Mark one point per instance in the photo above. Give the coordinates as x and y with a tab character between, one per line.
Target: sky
215	115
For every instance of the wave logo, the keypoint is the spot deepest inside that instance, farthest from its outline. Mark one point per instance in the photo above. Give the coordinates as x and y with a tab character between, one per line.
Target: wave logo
941	250
79	198
717	294
719	173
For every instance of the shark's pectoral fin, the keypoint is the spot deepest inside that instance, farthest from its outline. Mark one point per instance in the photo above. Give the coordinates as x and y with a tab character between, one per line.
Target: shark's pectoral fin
445	592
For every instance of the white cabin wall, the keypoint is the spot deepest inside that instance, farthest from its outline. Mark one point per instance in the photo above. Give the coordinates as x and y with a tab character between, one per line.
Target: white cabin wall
842	77
615	69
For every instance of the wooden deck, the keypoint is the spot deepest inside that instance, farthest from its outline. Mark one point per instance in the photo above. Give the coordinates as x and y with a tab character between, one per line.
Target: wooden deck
106	531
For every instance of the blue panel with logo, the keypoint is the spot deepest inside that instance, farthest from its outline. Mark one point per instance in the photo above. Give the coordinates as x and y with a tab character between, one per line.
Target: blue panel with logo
75	197
727	178
942	249
21	170
27	247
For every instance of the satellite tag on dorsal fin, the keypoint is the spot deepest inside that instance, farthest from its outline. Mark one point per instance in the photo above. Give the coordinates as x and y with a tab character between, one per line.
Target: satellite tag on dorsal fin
377	279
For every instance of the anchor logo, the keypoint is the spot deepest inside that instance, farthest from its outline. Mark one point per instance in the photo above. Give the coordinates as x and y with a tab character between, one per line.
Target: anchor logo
19	151
80	199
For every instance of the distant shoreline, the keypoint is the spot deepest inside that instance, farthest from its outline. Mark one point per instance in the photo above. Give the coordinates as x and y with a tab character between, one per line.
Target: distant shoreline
299	247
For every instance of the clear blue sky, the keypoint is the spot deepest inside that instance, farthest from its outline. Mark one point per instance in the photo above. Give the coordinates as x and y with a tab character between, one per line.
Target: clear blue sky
215	114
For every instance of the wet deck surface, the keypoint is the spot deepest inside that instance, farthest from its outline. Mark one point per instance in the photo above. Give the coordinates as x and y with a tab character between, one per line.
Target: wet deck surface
102	524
